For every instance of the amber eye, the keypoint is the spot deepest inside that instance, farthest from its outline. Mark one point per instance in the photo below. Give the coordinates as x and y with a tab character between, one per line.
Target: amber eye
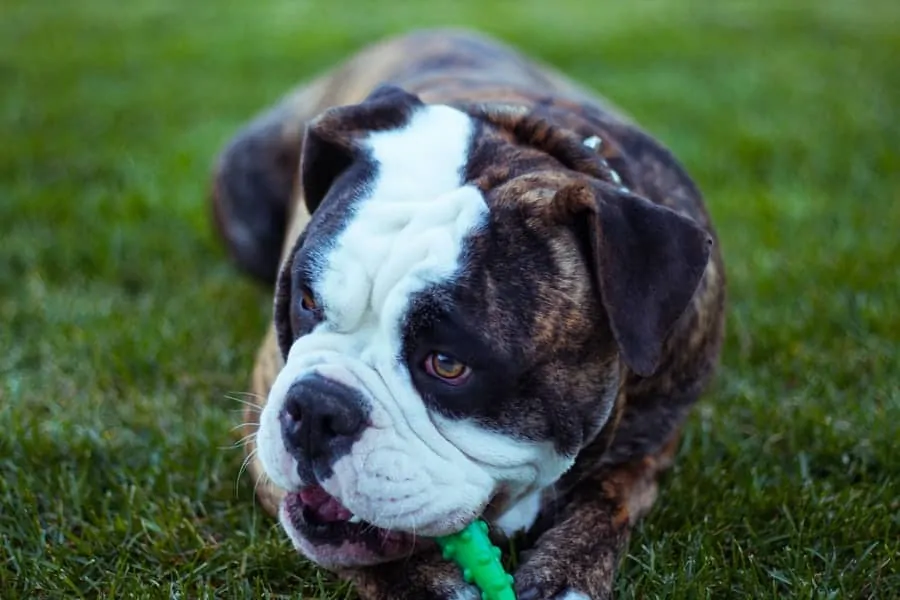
307	301
447	368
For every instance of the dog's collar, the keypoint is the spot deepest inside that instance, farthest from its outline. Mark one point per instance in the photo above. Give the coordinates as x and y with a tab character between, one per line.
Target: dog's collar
595	143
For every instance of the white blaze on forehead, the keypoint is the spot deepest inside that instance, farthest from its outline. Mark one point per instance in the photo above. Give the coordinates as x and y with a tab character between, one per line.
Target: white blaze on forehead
409	227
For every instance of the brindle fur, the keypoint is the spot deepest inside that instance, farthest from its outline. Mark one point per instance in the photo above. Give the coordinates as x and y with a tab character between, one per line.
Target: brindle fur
586	520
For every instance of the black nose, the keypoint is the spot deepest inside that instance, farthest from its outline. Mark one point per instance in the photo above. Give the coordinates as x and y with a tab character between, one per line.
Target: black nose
321	418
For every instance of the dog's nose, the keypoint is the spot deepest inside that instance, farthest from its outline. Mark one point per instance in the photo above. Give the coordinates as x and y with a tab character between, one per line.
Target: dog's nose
321	417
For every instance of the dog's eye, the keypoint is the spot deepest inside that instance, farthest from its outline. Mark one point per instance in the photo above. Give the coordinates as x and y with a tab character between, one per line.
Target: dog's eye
447	368
307	301
305	312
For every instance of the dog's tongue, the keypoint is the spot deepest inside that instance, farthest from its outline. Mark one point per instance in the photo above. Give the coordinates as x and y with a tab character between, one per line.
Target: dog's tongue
325	506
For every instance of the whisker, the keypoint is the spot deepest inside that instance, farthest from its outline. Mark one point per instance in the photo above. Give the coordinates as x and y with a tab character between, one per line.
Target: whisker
412	547
248	403
377	518
384	540
248	394
367	527
245	440
241	426
258	480
242	396
244	464
241	442
249	407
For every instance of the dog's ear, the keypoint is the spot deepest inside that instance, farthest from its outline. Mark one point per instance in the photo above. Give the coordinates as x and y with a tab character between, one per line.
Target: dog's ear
333	140
326	154
284	292
648	261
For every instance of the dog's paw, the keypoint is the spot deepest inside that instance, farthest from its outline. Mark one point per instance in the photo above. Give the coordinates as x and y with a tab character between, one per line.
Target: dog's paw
538	593
555	582
459	591
572	594
424	576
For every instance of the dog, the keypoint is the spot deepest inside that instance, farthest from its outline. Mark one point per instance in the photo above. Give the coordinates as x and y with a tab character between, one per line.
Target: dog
495	296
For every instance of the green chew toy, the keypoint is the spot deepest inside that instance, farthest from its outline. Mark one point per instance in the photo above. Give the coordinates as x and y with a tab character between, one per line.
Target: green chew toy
471	549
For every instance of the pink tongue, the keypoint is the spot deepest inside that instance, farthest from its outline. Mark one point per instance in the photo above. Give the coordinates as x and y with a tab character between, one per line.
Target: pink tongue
325	506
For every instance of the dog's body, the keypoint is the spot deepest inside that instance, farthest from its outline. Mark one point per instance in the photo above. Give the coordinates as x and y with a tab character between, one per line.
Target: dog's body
482	309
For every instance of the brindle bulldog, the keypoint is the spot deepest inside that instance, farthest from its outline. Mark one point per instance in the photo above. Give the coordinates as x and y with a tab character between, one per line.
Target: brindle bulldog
495	296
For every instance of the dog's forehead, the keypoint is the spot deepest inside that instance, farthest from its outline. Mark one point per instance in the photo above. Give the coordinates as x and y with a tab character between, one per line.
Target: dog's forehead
408	227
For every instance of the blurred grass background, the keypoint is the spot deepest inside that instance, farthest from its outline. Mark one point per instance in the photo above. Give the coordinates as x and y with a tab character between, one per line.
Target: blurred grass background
122	327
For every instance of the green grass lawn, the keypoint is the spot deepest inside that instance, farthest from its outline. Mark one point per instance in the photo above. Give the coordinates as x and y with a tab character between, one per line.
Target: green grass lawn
123	329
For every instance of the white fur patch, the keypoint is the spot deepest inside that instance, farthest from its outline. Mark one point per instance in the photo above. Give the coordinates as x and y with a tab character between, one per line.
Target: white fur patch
520	516
573	595
411	226
411	470
467	593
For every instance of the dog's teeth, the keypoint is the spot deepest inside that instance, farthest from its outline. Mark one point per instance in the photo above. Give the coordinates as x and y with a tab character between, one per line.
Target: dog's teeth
354	519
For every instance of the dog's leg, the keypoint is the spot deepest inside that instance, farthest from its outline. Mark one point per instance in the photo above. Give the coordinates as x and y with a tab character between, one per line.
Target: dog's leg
577	558
254	177
424	576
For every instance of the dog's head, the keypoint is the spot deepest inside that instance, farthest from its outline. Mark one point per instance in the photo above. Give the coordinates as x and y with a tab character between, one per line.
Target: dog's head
455	319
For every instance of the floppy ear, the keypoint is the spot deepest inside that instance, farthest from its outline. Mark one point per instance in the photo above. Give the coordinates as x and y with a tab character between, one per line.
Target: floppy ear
332	140
326	154
283	297
648	261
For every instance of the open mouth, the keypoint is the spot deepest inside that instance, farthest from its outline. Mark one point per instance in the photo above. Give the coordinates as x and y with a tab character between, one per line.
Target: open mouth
322	520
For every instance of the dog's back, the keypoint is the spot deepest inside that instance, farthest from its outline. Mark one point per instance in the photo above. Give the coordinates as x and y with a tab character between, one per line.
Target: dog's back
253	185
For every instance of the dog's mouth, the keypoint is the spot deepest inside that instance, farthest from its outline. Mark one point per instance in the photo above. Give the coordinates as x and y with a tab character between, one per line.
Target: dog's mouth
321	520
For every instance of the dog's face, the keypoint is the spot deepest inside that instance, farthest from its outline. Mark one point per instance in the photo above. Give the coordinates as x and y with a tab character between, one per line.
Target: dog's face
454	320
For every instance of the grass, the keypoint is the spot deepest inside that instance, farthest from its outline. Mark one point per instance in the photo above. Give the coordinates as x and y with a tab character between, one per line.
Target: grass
123	328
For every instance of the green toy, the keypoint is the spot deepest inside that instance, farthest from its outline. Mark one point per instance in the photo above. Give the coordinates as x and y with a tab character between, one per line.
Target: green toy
479	560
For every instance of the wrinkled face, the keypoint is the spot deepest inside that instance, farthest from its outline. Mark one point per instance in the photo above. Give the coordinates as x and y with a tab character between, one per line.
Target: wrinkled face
446	354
